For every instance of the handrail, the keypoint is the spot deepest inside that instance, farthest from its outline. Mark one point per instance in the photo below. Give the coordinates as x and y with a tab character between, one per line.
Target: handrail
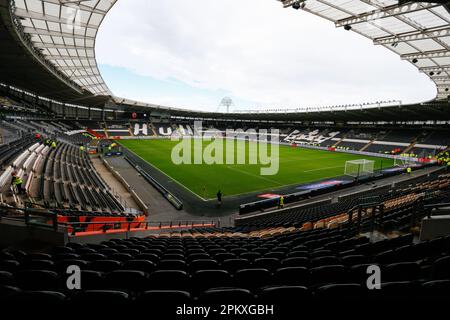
171	223
436	205
108	227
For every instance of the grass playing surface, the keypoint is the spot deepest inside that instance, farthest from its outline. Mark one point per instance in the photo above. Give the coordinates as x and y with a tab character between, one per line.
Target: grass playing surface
297	166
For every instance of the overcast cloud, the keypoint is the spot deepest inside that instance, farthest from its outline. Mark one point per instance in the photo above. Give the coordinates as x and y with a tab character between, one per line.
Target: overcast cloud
254	50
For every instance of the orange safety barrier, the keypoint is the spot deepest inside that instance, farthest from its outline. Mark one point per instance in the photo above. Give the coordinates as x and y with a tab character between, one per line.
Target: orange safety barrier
93	224
115	231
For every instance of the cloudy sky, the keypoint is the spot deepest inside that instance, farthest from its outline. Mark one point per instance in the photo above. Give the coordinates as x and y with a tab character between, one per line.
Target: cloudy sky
193	53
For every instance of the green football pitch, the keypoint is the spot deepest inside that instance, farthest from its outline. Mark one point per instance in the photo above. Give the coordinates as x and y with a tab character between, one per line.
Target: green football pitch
296	166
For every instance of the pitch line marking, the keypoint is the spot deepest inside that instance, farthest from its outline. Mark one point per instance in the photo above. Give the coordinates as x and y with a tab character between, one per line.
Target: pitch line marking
320	169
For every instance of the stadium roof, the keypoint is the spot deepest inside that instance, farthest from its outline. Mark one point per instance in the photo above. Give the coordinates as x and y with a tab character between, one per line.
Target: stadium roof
418	32
48	46
65	32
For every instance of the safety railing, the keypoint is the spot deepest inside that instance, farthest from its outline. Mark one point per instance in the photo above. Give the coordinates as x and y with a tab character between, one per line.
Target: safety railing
98	228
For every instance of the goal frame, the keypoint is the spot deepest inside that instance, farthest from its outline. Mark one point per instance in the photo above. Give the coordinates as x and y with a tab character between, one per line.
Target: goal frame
403	162
359	168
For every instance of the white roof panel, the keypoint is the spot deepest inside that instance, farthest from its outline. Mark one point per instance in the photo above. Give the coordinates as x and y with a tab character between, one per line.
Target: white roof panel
418	32
64	32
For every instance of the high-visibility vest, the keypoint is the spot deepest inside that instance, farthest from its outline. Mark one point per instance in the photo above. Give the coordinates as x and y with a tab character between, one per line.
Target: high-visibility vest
16	181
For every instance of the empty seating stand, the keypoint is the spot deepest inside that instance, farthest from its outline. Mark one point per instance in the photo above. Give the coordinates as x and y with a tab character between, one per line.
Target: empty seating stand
69	180
225	267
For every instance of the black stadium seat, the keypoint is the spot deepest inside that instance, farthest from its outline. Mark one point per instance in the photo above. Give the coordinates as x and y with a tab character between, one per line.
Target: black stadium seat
39	297
140	265
232	265
7	292
206	279
344	291
295	262
203	264
402	271
169	280
285	294
252	278
226	295
126	280
156	298
441	269
436	290
9	265
7	279
92	280
105	265
109	297
328	274
37	280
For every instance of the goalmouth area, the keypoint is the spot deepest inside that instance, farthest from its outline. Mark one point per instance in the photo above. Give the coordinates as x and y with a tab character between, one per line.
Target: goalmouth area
296	166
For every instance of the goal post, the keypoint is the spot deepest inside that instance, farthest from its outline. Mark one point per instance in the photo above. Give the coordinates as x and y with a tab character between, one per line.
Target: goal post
403	162
359	168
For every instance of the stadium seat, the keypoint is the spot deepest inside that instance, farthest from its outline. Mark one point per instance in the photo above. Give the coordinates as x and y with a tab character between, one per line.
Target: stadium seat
7	292
9	265
344	291
62	265
328	274
37	280
203	264
169	280
172	265
7	279
126	280
285	294
110	297
93	256
250	256
156	298
38	265
402	271
149	257
270	264
219	257
295	262
232	265
92	280
441	269
105	265
436	290
324	261
140	265
206	279
252	278
353	260
298	276
39	297
400	290
226	295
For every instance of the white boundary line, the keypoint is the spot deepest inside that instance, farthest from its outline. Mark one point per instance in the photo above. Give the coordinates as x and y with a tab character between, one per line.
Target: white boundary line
182	185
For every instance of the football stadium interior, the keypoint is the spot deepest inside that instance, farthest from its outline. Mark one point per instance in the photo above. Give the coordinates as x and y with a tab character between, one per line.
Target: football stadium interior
111	190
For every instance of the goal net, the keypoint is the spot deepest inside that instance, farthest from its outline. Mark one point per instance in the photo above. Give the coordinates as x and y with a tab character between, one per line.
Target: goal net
403	162
359	168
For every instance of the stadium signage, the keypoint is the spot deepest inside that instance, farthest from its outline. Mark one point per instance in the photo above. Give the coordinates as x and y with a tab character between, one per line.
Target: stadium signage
229	148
